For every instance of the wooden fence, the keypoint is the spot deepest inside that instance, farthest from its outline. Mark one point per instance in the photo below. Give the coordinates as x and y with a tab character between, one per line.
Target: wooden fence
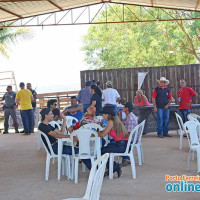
126	80
63	98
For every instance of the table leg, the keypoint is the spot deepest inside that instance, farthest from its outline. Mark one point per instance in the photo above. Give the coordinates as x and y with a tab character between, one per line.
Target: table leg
60	149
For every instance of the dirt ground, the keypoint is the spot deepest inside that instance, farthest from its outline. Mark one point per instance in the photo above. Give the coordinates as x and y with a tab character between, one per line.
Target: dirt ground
22	169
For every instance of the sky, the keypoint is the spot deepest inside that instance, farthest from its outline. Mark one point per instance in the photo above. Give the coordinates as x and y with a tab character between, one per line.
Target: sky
51	60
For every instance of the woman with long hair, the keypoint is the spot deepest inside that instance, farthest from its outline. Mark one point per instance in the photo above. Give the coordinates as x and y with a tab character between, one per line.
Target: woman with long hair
96	100
119	133
140	99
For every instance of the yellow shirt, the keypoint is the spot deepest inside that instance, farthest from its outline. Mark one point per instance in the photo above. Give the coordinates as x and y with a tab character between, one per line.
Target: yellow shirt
24	97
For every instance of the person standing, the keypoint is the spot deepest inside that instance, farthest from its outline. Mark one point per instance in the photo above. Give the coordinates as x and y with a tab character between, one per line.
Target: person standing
96	100
29	87
185	95
110	95
24	97
161	99
9	109
84	96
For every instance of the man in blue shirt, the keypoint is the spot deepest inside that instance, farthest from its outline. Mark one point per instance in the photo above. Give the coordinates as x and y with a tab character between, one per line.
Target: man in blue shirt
75	110
84	96
9	109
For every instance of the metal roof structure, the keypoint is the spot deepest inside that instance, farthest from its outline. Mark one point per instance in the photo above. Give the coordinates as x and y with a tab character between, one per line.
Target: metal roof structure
19	9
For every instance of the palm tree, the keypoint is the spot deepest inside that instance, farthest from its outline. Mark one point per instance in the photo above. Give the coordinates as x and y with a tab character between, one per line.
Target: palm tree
12	36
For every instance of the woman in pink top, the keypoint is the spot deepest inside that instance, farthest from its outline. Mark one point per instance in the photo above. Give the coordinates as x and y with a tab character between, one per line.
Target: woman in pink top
140	99
119	133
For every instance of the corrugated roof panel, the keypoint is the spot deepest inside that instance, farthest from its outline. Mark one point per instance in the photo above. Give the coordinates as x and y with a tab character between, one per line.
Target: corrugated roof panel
26	8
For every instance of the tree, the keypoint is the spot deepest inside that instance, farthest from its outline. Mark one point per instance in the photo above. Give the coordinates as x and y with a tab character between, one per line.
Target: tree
12	36
142	44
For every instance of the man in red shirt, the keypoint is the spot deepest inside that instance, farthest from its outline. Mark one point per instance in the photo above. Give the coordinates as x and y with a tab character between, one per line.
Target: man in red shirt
185	95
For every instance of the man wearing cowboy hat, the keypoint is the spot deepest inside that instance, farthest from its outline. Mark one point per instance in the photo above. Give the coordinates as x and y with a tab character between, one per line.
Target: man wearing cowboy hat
161	99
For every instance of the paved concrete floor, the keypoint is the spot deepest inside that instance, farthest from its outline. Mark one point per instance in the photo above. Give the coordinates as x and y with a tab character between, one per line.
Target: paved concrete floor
22	172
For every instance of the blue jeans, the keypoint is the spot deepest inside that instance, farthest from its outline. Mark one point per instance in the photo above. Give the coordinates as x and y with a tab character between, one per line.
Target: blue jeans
85	107
183	113
114	148
162	121
113	141
68	151
32	129
27	120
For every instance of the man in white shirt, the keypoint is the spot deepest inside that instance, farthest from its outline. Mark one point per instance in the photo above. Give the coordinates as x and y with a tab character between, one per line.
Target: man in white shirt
110	95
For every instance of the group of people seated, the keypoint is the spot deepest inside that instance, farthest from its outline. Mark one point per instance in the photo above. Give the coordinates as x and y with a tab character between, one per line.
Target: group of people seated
118	128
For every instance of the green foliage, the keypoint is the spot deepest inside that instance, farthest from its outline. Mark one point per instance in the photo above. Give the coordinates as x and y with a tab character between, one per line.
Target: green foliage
142	44
12	36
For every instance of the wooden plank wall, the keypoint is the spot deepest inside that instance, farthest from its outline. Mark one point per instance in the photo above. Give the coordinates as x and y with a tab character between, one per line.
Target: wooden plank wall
63	98
126	80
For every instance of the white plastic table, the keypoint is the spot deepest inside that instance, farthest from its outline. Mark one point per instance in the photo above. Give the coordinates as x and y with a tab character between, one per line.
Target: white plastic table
60	149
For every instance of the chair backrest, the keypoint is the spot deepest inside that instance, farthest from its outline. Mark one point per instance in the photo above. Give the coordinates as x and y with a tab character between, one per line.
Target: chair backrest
132	137
193	115
140	131
84	135
46	143
192	129
93	126
180	123
96	178
191	118
54	124
69	121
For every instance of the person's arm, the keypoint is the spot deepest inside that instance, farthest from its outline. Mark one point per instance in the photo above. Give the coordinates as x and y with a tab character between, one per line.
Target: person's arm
103	97
134	101
169	100
195	97
144	100
106	130
79	108
17	101
62	131
56	134
34	96
154	100
154	104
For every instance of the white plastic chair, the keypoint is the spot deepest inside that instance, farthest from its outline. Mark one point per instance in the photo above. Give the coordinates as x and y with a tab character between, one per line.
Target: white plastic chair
51	154
138	145
181	128
193	115
85	150
95	179
39	140
191	118
192	129
69	121
129	152
97	126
